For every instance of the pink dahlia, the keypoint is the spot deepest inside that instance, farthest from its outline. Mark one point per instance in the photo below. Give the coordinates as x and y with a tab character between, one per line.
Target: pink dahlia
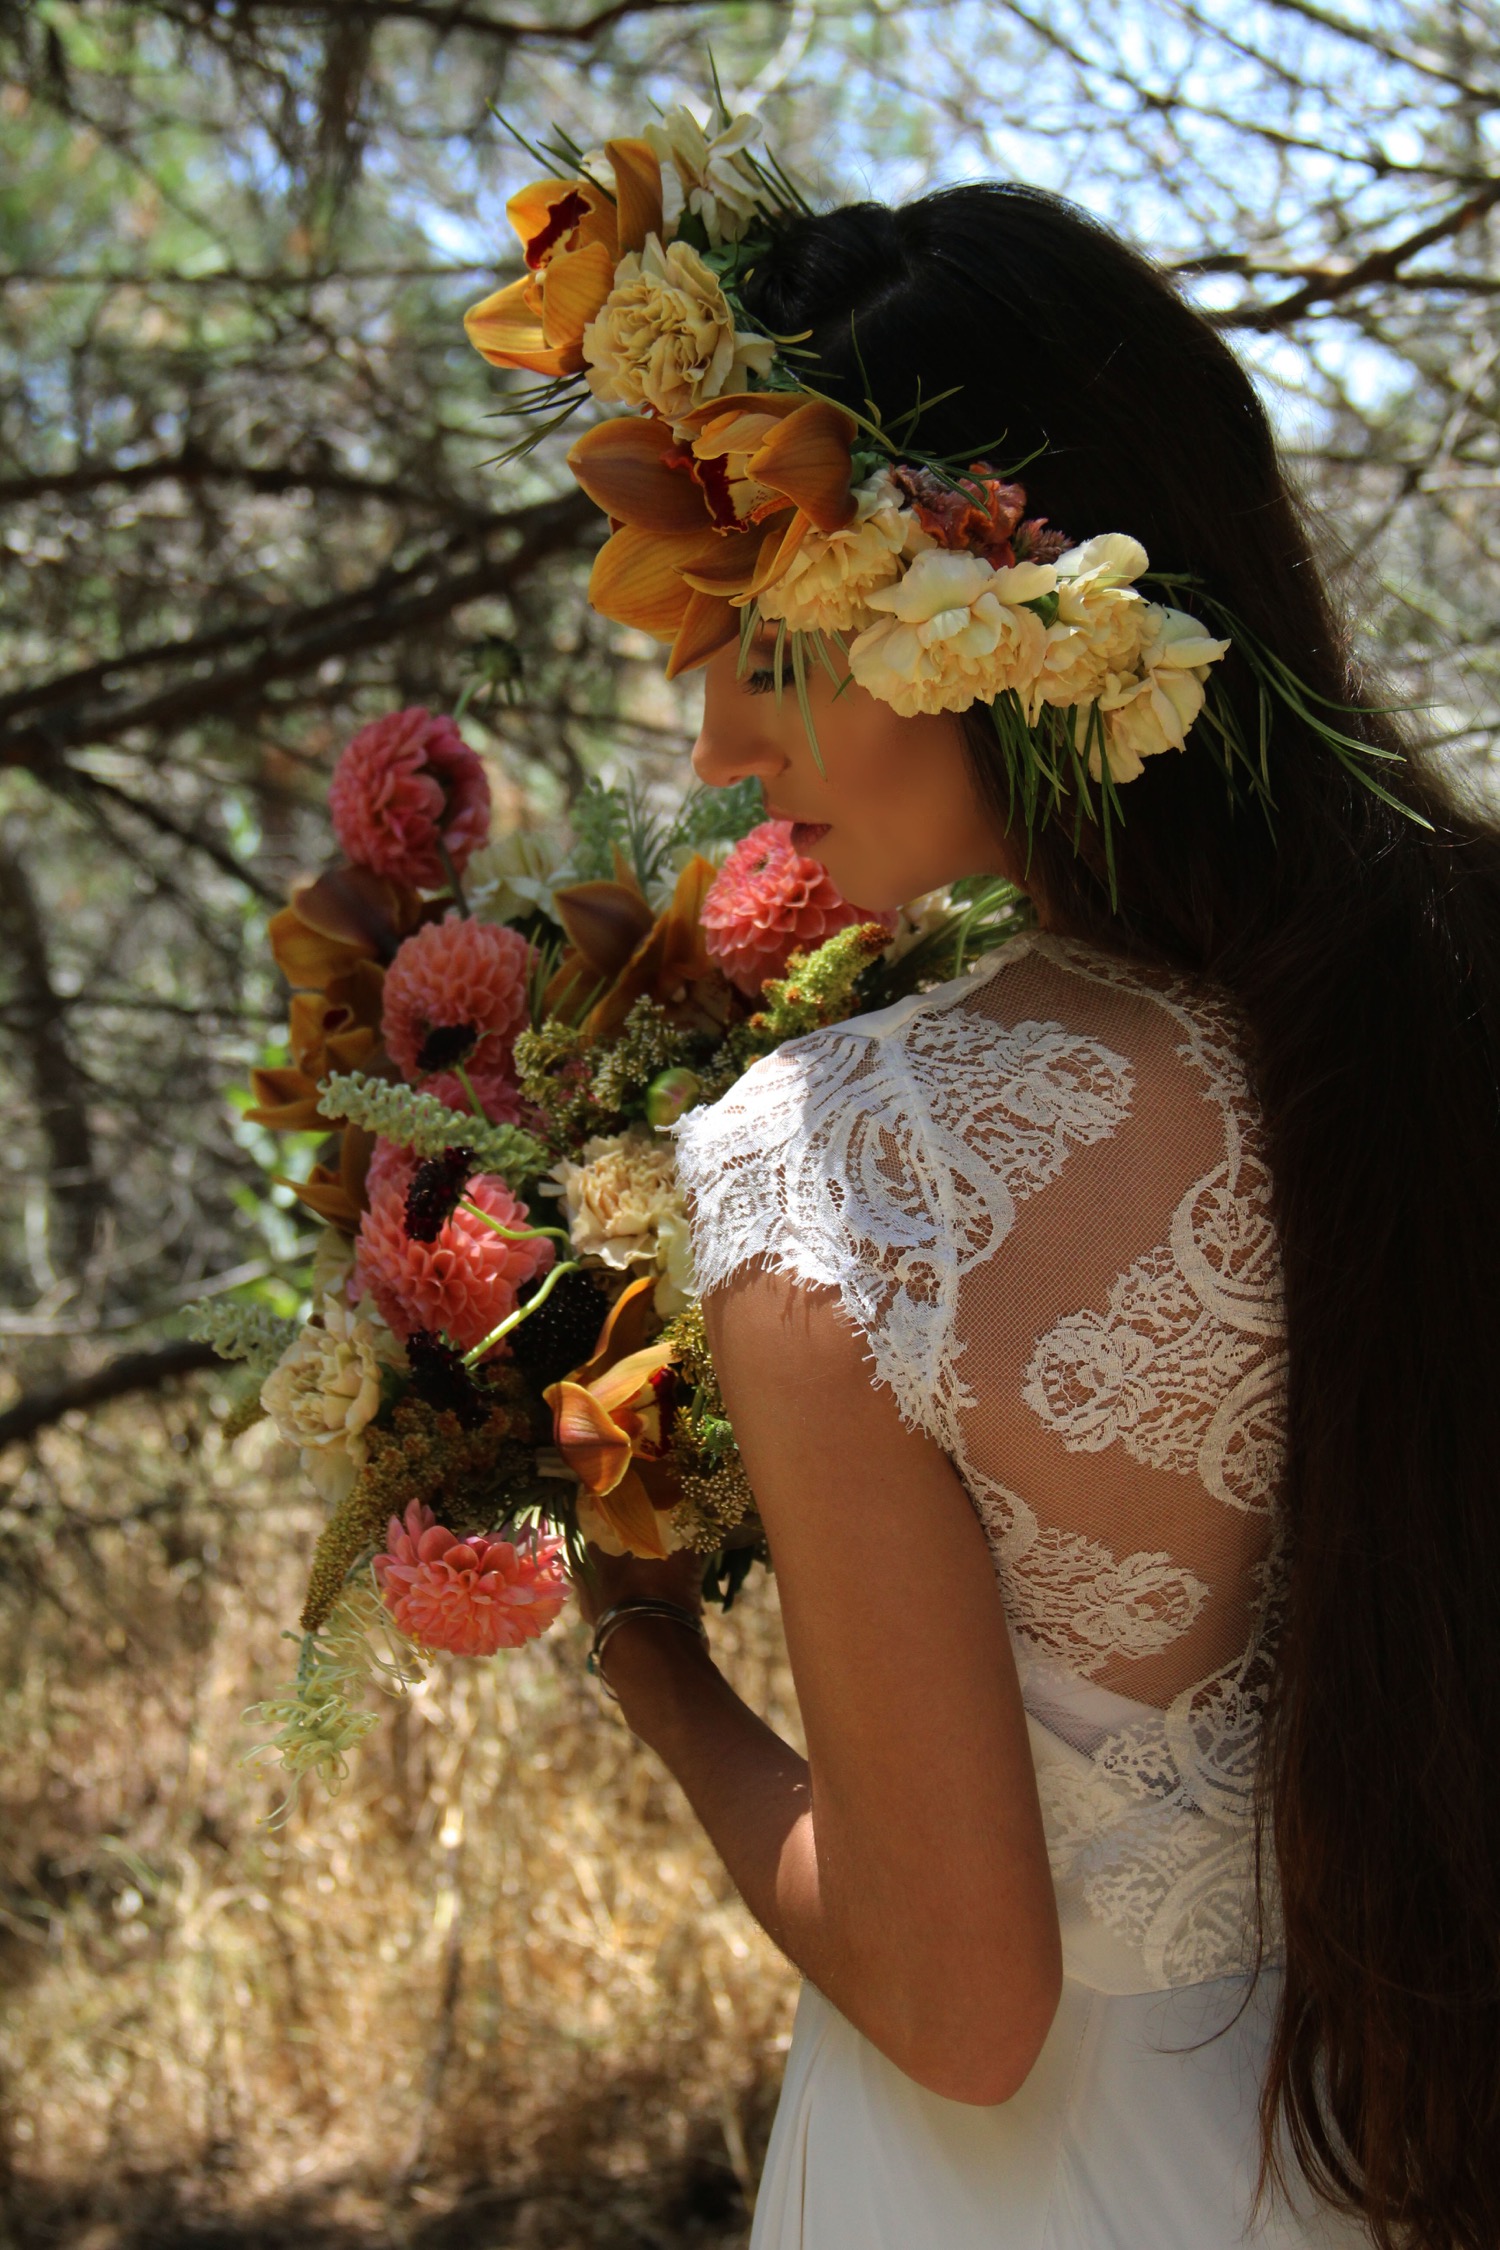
766	903
447	979
469	1596
406	784
466	1281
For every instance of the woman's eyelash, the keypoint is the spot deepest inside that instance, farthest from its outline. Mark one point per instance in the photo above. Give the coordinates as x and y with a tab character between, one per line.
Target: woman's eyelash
758	682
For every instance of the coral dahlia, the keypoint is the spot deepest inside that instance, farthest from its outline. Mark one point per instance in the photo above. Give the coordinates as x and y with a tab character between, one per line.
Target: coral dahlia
468	1596
406	784
465	1282
452	977
767	903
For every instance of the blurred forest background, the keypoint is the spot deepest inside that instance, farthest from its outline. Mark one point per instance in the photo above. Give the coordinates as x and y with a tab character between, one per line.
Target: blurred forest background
498	1993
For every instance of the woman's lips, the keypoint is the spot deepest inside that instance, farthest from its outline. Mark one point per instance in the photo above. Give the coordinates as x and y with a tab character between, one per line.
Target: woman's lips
806	833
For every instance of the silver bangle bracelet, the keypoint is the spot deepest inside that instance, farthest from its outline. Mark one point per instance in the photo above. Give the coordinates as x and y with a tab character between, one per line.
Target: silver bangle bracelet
606	1627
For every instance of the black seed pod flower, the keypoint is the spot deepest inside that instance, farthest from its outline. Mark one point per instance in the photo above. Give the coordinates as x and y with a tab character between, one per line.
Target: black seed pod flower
441	1380
561	1334
436	1186
447	1044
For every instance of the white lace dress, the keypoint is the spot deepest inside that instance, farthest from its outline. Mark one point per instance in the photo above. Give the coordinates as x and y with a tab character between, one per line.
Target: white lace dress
1041	1196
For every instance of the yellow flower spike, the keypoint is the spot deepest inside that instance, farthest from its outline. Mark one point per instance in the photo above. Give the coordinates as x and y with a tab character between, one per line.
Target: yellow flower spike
638	206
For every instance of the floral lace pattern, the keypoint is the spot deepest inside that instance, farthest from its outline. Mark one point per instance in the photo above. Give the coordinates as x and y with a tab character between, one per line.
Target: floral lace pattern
891	1158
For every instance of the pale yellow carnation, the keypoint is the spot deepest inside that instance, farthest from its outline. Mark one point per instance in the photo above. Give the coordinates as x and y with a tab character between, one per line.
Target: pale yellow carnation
956	632
1099	628
325	1390
626	1209
1153	710
826	587
665	338
707	173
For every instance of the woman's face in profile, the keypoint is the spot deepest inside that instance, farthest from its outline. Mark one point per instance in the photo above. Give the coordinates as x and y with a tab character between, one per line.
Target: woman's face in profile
894	812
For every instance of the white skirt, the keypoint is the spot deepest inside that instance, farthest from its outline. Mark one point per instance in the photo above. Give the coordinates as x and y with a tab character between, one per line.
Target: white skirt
1122	2138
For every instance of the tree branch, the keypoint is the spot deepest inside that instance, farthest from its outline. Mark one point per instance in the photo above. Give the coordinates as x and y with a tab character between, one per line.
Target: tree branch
1328	285
444	16
40	727
132	1371
194	465
76	1193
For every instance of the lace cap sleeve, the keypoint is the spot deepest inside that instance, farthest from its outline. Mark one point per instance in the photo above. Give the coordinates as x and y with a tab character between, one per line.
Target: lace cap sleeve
885	1158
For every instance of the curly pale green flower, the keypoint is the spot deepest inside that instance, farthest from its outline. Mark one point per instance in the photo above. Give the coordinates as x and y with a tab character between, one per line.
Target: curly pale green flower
427	1126
241	1331
315	1726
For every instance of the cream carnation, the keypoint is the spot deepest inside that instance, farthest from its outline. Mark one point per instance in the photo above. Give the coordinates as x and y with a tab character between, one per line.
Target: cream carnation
1153	711
827	584
626	1209
957	633
325	1390
665	338
706	173
1100	623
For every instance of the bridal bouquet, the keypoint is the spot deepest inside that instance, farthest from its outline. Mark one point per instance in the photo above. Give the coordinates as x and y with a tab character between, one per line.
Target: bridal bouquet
501	1356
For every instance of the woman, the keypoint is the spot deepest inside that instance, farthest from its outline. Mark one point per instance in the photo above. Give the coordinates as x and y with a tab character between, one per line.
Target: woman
1110	1342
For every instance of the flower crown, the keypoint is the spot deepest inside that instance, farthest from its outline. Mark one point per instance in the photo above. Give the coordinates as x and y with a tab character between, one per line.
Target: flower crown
739	495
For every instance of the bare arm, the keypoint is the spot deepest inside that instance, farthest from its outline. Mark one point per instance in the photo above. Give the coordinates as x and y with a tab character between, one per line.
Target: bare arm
902	1867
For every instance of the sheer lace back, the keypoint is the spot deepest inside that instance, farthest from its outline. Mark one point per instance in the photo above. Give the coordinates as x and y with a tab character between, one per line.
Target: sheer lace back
1041	1195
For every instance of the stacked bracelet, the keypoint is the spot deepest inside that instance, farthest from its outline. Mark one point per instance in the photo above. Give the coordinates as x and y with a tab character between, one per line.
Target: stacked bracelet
610	1622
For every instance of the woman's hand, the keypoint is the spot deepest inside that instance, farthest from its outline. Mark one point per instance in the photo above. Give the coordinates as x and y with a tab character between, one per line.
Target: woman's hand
626	1578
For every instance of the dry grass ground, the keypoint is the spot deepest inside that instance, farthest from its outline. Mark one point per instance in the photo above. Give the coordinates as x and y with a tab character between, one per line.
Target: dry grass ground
497	1992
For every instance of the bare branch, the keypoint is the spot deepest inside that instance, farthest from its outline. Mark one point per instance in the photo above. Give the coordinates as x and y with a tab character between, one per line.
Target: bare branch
287	644
1328	285
132	1371
76	1192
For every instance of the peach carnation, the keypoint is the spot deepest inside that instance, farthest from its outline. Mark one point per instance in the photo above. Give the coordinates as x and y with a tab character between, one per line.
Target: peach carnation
406	784
468	1596
464	1283
766	903
446	976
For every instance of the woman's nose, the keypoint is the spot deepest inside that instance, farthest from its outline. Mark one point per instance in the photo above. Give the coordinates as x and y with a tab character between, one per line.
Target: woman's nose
722	755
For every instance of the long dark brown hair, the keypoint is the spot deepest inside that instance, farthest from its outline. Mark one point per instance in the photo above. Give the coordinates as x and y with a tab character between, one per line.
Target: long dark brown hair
1364	952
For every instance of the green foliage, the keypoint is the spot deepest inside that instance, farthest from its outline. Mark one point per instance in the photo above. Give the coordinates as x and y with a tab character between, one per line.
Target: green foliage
606	820
427	1126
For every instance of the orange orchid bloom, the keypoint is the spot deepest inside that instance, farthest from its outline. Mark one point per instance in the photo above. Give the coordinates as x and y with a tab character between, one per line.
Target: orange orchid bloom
337	1197
617	1418
708	514
618	944
573	237
337	1029
338	920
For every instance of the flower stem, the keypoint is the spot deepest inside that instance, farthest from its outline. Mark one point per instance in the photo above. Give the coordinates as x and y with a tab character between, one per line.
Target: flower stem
512	1234
453	882
467	1083
522	1312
